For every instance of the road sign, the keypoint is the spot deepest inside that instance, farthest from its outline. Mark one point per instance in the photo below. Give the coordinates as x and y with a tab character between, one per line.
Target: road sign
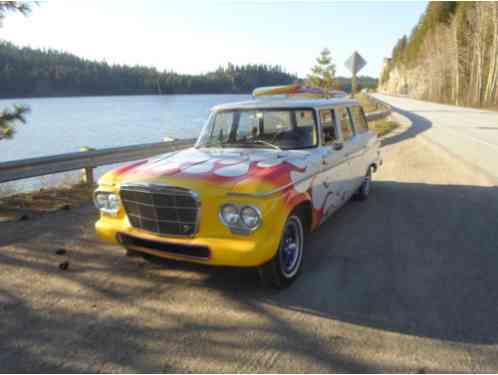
355	63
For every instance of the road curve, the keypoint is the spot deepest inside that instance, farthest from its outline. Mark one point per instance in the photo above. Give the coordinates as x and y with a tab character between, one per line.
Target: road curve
469	133
405	281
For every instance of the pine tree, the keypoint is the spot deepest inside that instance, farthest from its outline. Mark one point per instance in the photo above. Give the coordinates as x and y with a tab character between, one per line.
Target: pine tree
9	118
13	6
323	73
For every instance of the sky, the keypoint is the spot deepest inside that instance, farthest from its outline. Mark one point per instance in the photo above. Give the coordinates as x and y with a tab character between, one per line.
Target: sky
194	37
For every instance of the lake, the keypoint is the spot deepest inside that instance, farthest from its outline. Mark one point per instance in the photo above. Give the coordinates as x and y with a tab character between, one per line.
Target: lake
60	125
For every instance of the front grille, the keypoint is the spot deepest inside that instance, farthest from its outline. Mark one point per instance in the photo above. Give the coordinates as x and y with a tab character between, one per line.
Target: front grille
161	209
193	251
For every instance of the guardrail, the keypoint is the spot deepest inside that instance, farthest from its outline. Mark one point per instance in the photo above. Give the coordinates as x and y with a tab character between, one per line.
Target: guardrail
87	160
377	115
373	116
90	158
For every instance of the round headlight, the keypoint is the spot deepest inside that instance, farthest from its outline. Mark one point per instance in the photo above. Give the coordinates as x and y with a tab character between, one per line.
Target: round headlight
250	216
112	202
101	200
230	214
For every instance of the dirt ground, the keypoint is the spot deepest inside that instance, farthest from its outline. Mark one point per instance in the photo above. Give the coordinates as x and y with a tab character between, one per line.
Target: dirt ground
405	281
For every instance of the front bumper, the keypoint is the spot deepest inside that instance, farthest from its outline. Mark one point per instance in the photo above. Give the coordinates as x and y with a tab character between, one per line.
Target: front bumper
231	250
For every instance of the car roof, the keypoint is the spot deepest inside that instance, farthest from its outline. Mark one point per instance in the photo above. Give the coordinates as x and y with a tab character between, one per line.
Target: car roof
285	103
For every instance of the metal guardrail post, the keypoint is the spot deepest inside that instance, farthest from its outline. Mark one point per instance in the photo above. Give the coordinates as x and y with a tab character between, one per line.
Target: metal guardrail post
379	114
87	172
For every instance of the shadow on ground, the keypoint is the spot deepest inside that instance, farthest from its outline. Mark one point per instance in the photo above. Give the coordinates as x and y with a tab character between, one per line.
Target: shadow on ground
414	259
419	124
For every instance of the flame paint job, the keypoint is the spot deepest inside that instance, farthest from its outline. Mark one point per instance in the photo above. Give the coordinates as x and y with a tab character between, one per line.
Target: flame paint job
212	173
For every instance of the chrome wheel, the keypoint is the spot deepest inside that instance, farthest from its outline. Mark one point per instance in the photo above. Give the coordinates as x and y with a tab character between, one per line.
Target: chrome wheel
291	248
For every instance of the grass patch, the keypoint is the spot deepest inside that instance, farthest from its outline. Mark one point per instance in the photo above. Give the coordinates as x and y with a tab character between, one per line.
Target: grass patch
383	127
49	199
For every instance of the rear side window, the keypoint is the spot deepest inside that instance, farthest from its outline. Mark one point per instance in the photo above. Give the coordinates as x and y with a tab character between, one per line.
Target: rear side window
344	119
327	119
360	122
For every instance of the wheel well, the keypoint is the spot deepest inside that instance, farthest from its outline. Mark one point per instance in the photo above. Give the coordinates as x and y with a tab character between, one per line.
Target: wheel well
305	212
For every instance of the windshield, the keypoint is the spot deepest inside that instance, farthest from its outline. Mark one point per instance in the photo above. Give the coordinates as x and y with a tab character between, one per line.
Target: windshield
275	128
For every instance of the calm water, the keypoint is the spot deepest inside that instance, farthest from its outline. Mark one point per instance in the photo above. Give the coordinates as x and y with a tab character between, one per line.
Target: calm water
60	125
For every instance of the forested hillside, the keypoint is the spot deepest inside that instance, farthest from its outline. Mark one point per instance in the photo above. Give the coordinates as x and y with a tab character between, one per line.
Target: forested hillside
26	72
451	56
363	82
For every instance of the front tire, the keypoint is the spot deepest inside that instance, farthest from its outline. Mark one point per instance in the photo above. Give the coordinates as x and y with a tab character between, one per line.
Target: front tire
132	253
284	268
364	190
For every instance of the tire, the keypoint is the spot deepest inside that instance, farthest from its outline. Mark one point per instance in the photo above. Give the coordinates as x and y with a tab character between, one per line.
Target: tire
364	189
133	253
285	267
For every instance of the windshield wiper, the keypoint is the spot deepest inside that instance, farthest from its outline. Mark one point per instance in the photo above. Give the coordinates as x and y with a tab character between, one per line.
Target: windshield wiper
245	143
261	142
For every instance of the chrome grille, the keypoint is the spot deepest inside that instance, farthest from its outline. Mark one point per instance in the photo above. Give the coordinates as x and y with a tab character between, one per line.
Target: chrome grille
161	209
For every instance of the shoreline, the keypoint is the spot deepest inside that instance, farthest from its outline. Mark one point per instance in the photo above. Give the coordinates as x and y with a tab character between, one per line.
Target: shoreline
112	95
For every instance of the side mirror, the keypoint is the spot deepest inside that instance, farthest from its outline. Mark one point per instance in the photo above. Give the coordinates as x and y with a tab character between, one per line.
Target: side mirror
338	146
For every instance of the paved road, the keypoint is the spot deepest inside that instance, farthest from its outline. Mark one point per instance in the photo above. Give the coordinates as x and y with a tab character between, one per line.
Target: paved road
406	281
469	133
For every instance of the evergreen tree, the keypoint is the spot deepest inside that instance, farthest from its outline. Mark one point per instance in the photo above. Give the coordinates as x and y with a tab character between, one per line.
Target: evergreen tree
323	73
9	117
13	6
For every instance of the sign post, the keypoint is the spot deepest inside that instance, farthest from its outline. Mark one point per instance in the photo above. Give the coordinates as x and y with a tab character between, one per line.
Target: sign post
355	63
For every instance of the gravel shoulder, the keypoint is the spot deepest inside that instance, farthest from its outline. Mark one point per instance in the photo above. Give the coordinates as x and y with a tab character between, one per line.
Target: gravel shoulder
405	281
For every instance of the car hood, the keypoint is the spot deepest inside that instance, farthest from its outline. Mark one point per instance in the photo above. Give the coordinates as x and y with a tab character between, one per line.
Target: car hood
223	169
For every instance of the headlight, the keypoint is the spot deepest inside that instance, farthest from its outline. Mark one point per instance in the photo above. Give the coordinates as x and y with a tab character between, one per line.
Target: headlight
230	214
250	216
100	200
113	202
240	220
106	202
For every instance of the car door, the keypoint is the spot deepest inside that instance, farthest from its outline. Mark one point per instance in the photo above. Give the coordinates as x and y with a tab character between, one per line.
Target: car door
351	147
332	185
365	137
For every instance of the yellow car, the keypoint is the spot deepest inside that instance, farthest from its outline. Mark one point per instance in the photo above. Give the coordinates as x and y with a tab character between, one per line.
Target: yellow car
262	174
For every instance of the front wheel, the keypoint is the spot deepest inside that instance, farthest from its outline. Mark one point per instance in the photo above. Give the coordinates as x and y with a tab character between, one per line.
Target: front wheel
285	266
364	190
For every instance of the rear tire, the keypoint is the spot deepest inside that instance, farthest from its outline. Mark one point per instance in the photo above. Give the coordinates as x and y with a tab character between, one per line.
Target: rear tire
285	267
364	190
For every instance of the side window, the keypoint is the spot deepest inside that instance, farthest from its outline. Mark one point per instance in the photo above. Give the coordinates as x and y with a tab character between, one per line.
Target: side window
306	126
345	123
327	119
360	122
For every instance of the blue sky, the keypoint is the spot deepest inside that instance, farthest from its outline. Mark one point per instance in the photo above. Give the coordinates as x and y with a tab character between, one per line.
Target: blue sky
198	36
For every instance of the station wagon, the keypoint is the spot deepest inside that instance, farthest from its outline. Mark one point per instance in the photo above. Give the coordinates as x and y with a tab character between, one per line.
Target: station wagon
262	175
